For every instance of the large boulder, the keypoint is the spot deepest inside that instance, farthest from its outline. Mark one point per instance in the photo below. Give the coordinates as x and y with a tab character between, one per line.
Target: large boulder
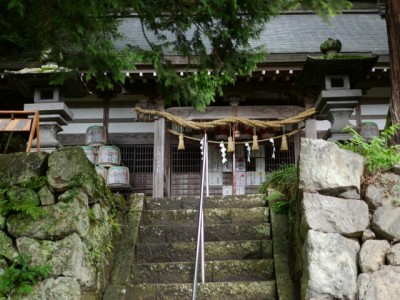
17	168
61	288
74	193
385	190
393	256
383	284
386	222
61	220
327	169
46	196
330	266
66	257
330	214
69	168
372	255
7	249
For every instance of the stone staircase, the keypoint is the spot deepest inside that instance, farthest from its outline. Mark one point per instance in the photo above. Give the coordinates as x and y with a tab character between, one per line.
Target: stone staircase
238	249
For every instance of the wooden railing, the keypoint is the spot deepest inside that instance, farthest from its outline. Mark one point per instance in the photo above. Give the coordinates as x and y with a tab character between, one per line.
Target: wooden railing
10	123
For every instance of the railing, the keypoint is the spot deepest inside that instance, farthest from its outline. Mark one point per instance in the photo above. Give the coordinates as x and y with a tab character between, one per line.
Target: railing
11	124
200	227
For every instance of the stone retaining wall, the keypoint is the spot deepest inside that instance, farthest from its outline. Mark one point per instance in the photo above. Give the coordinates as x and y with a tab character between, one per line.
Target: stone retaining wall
76	234
346	247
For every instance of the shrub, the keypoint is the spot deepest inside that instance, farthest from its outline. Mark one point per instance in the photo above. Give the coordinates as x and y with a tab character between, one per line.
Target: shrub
379	154
284	182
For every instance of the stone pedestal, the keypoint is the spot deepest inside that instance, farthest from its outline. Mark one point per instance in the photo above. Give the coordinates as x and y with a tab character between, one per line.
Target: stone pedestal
337	105
52	117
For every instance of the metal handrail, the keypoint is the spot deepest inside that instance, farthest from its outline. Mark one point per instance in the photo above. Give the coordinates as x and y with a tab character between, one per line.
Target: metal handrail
200	227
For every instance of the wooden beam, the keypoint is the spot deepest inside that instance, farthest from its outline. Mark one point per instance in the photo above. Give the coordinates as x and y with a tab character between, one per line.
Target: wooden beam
251	112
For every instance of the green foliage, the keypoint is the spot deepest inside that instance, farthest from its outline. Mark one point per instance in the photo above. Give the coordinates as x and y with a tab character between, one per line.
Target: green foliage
23	199
35	183
213	36
21	277
378	153
278	203
17	200
284	182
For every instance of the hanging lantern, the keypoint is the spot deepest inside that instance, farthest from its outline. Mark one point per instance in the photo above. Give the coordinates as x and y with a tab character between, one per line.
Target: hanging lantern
284	145
181	145
236	132
231	145
255	146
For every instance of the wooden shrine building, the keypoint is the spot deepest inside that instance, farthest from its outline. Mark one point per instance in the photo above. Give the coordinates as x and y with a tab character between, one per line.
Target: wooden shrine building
275	91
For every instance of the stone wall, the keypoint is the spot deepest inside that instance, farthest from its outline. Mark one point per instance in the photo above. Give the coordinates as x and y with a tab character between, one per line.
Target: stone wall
346	245
75	231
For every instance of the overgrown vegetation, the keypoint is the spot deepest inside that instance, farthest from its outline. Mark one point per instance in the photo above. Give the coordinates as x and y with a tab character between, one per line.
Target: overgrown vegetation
21	277
22	198
379	154
284	183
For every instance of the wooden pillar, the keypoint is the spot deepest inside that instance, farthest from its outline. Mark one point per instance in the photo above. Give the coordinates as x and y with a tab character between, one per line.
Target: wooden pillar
311	123
159	158
167	161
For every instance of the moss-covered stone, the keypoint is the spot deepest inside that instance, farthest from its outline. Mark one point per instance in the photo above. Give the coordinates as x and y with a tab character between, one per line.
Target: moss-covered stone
66	257
21	196
70	168
61	288
17	168
74	194
210	290
120	201
331	45
46	196
7	249
61	220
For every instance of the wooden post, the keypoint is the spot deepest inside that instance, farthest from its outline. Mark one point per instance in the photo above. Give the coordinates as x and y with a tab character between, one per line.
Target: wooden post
167	165
159	158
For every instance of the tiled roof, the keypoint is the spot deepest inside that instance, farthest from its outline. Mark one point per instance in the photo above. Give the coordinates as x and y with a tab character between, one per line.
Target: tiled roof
302	33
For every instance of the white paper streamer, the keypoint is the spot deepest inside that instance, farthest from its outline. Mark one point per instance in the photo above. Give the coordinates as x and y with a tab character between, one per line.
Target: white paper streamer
248	148
273	147
223	152
201	148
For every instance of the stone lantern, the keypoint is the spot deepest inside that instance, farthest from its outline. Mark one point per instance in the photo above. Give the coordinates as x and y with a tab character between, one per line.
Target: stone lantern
337	76
48	98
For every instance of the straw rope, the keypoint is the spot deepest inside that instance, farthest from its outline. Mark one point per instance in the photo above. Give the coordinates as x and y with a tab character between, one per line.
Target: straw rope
229	120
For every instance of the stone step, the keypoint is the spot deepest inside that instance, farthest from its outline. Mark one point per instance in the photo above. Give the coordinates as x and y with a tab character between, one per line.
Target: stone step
243	201
255	290
212	216
185	252
213	232
215	271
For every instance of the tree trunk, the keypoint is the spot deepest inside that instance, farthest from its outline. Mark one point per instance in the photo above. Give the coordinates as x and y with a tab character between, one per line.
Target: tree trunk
393	30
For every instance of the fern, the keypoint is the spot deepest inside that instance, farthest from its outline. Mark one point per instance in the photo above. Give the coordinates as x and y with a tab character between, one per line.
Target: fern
379	155
284	182
21	277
